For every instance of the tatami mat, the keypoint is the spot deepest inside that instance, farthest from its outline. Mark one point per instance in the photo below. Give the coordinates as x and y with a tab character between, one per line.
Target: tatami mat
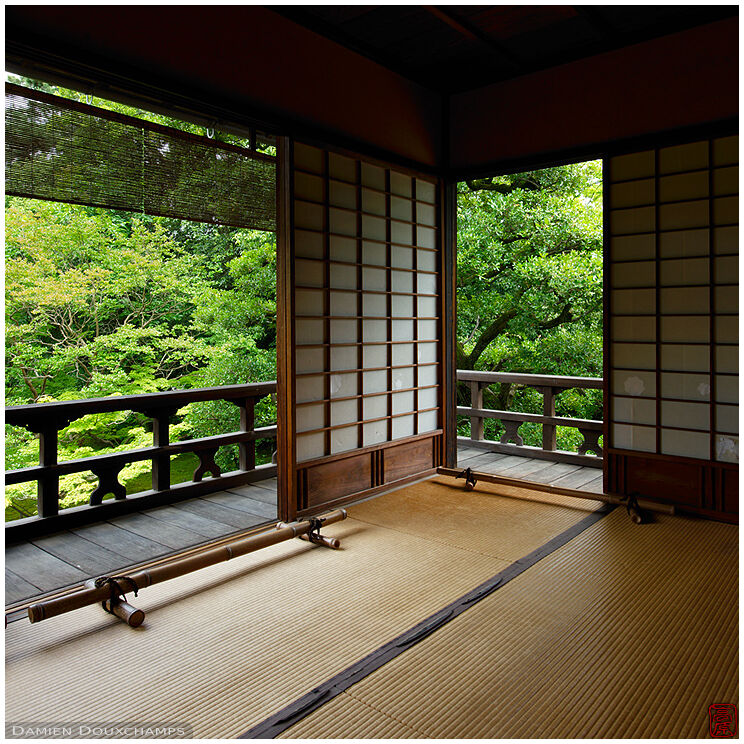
627	631
226	647
500	521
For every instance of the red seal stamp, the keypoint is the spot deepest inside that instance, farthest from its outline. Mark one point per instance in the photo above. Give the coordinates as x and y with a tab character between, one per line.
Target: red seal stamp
722	720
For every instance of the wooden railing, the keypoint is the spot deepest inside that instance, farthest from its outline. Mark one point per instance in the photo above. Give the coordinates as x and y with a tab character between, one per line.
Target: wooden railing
48	419
549	386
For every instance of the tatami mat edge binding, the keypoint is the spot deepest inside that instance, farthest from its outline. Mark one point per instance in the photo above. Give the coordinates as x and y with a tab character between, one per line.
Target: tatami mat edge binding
333	687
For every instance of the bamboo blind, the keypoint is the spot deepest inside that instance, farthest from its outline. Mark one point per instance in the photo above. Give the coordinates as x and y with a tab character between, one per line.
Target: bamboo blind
366	304
62	150
673	235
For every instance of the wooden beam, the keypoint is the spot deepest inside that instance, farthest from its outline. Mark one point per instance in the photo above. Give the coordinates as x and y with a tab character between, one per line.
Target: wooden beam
285	360
448	239
504	56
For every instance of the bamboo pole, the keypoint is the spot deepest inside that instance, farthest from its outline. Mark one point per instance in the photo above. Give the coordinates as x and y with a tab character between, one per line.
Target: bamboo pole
607	498
22	606
147	577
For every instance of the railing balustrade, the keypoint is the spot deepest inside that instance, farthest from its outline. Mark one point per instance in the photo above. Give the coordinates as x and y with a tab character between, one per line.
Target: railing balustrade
549	386
48	419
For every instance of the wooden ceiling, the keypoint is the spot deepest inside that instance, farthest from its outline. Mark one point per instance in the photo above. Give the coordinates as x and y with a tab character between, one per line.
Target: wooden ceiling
453	48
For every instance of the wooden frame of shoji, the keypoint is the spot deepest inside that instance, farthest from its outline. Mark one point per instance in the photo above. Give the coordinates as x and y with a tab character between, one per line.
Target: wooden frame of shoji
672	229
367	312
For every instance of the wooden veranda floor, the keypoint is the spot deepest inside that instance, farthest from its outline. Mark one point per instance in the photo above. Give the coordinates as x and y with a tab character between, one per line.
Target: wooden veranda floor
530	469
68	558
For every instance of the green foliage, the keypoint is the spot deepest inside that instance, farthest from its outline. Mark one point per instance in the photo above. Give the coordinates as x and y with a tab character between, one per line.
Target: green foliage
94	304
102	303
529	289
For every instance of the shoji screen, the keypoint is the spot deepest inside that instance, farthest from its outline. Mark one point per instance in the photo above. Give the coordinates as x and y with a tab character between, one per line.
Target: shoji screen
367	325
673	242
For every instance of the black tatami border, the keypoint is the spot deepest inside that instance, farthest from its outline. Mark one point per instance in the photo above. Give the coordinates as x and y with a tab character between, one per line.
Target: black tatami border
320	695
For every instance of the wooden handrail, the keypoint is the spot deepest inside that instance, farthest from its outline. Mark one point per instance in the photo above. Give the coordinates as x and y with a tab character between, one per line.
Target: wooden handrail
549	386
47	419
532	418
29	415
530	380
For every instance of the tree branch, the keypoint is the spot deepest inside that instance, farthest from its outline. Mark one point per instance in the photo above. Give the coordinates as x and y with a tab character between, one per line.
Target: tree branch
565	316
487	184
488	335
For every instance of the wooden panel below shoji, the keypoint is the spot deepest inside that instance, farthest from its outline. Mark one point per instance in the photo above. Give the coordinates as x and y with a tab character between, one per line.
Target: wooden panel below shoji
349	476
705	488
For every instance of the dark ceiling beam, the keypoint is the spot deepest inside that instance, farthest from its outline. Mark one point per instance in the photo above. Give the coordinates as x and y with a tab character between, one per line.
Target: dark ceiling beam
504	56
685	17
500	62
603	28
314	23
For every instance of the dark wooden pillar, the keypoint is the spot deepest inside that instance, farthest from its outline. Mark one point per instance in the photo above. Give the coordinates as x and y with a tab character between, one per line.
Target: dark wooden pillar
448	269
285	385
161	438
247	457
48	487
476	401
549	432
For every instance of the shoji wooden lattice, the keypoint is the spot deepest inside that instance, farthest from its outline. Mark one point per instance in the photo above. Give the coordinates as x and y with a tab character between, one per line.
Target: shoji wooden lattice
673	241
367	310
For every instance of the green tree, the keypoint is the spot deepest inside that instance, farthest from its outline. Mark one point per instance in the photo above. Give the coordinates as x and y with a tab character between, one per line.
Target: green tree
241	324
87	302
529	283
107	303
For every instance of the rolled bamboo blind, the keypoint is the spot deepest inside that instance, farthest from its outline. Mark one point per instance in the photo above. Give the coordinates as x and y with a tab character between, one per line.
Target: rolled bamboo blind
62	150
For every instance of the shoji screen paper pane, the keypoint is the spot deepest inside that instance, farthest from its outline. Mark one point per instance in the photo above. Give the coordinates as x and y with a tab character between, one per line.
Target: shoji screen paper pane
673	240
366	304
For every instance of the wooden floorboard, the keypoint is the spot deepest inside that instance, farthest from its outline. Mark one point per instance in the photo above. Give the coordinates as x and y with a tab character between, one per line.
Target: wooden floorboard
594	486
578	479
270	484
193	522
525	469
532	469
131	546
243	503
81	553
17	588
550	471
40	568
466	453
165	533
488	463
228	516
255	492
